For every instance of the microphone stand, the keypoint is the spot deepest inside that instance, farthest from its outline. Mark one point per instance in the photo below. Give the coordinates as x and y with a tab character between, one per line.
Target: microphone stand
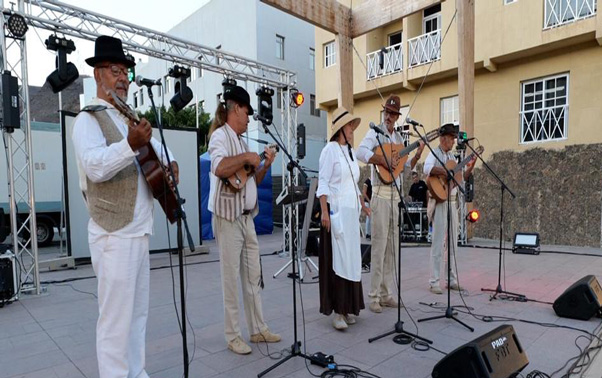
181	218
503	186
449	312
402	335
295	350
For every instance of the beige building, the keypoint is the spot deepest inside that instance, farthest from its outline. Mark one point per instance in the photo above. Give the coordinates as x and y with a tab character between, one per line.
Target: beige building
537	101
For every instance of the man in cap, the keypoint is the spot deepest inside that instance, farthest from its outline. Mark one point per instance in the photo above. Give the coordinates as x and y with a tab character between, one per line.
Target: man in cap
385	210
232	222
120	204
432	167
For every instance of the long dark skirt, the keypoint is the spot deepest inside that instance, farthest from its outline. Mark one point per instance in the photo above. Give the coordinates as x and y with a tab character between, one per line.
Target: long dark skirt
336	294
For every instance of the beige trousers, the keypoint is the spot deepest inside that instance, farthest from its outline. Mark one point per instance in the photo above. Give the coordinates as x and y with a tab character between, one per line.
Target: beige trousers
439	242
385	239
239	255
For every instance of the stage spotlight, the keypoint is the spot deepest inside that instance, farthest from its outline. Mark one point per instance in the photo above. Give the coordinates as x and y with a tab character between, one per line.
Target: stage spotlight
473	216
65	72
183	94
131	70
264	99
526	243
228	82
17	26
297	98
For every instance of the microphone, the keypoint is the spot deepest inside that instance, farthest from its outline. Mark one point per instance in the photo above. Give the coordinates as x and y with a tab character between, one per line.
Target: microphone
413	122
264	120
141	81
377	129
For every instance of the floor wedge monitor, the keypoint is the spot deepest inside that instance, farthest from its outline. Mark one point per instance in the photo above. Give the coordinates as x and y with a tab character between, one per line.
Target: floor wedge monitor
581	300
496	354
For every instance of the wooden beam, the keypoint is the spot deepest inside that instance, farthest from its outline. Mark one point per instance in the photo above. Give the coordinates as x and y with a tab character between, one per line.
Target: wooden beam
329	15
466	64
345	67
373	14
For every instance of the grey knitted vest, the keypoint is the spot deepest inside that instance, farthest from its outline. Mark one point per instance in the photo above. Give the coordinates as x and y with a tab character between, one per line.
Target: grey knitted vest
111	203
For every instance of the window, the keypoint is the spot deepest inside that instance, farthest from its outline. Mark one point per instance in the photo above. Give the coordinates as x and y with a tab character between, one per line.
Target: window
431	19
312	59
141	97
313	110
544	109
330	54
279	47
450	109
560	12
395	38
135	100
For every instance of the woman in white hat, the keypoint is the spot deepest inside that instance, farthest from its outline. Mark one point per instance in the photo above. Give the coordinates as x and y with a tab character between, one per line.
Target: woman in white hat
340	203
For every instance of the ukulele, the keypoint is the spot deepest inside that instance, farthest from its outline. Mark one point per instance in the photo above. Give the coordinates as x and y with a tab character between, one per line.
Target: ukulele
403	152
438	184
152	167
238	180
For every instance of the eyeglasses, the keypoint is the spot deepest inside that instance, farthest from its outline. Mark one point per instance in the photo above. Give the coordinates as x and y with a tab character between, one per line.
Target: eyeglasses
116	70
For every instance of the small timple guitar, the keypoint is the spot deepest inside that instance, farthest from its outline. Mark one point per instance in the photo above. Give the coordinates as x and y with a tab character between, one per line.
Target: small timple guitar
438	184
151	166
398	149
238	180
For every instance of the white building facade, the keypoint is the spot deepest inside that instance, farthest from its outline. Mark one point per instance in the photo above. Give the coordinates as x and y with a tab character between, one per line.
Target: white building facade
256	31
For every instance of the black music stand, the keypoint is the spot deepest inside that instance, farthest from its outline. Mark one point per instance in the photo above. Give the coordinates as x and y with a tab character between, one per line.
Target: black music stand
181	217
449	311
295	350
398	327
503	186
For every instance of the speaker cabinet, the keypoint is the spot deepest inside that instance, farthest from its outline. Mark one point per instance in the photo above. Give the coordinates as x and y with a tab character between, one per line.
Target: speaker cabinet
496	354
8	283
580	301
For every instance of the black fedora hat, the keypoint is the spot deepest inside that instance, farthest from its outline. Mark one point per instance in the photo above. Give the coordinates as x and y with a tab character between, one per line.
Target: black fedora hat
109	49
239	95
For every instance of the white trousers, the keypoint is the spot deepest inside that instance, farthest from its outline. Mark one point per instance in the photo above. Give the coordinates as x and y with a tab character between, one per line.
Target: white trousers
439	242
123	270
385	242
239	256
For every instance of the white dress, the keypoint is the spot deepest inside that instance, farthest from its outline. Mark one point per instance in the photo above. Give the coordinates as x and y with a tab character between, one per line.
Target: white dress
338	180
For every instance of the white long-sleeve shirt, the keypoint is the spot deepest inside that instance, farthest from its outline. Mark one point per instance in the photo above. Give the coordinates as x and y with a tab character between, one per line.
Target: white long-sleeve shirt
365	151
100	163
431	162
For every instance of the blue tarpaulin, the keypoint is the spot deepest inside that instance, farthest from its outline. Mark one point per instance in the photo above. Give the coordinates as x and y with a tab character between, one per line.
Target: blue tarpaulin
263	221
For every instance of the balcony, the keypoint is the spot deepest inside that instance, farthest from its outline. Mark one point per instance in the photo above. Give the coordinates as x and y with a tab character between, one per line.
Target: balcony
561	12
391	58
424	49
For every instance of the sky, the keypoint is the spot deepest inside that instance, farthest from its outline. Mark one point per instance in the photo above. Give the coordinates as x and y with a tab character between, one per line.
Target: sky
152	14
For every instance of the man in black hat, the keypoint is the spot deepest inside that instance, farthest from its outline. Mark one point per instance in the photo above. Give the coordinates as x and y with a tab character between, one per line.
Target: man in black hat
233	212
120	204
447	137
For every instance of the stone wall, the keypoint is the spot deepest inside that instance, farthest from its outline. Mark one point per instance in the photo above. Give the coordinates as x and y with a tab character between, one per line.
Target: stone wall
558	194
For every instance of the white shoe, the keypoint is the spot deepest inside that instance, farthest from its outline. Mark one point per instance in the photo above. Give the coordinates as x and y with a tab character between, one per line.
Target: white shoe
349	319
338	322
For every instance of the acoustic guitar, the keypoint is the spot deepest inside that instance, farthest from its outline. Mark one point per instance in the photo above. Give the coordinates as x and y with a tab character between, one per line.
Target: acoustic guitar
438	184
238	180
152	167
398	149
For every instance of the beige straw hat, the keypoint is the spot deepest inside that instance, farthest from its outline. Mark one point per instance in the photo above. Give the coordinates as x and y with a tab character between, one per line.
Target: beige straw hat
340	118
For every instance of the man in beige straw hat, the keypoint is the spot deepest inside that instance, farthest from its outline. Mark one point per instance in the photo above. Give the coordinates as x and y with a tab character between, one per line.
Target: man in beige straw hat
383	204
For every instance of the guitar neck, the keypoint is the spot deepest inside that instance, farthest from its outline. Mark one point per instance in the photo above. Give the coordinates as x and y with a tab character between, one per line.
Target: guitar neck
409	149
461	165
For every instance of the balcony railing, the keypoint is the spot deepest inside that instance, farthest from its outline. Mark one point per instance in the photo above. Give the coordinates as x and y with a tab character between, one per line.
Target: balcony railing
424	48
560	12
545	124
392	62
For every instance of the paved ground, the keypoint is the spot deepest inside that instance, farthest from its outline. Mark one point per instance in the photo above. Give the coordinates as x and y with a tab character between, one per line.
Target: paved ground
52	335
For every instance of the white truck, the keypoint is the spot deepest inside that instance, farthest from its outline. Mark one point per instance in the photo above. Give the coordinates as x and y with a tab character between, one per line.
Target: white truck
47	158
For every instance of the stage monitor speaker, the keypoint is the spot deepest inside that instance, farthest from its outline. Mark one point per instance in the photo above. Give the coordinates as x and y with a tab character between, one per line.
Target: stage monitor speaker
496	354
581	300
8	284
